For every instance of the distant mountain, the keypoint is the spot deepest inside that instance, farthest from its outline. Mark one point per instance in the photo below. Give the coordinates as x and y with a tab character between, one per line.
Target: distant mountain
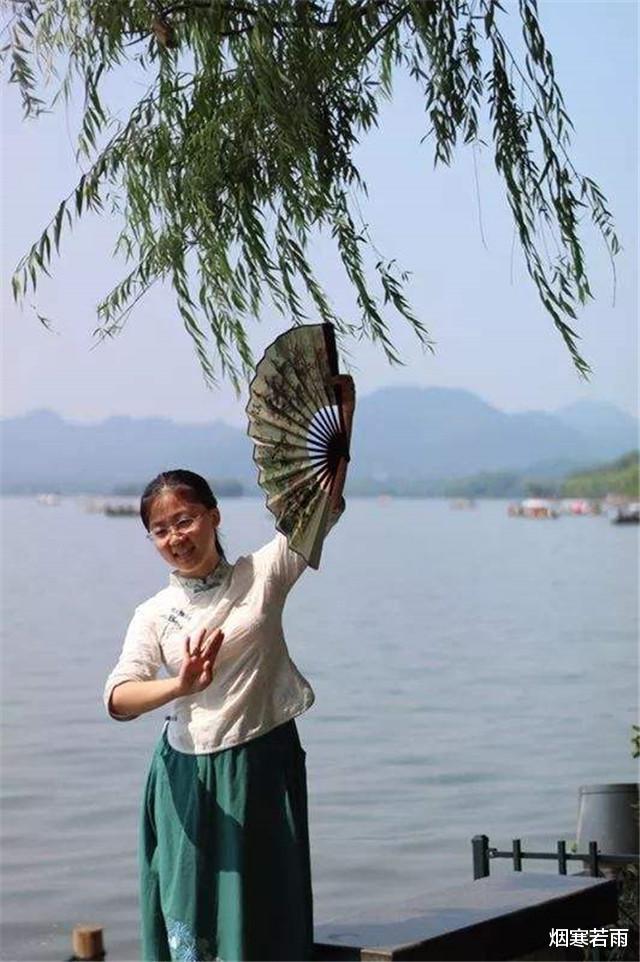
445	433
416	434
41	450
610	429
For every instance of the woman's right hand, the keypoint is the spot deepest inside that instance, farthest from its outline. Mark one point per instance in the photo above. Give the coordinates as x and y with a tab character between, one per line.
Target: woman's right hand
200	653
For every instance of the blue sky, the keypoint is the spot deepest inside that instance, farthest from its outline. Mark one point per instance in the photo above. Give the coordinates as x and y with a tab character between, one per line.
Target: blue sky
492	335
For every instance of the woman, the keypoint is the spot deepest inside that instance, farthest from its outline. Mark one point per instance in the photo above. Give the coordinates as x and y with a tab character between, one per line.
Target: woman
224	848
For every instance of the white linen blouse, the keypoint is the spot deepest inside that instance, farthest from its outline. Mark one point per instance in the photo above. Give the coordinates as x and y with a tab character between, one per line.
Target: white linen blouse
255	685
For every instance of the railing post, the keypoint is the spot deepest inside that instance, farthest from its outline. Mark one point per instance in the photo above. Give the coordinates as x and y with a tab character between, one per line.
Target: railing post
562	858
480	846
516	848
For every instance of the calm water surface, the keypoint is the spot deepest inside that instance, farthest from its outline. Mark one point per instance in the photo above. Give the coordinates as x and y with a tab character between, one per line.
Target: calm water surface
471	672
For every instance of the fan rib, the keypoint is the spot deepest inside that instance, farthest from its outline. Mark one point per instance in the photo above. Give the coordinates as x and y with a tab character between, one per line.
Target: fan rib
314	397
265	463
308	446
323	415
309	426
268	419
277	468
271	402
307	414
319	470
298	487
299	474
299	459
297	516
323	385
299	506
327	475
271	452
326	389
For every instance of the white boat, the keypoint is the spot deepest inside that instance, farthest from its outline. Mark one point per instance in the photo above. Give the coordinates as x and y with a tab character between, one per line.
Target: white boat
533	508
50	500
627	514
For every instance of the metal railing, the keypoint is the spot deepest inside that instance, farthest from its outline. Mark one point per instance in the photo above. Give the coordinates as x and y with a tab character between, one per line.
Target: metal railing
483	853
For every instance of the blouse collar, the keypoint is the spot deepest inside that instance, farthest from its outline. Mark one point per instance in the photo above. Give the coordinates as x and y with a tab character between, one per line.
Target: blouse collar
195	586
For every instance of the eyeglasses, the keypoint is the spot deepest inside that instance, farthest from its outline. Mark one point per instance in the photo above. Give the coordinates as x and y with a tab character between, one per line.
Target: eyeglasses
183	525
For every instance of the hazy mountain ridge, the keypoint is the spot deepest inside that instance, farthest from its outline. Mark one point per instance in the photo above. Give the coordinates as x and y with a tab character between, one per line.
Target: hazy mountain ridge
400	433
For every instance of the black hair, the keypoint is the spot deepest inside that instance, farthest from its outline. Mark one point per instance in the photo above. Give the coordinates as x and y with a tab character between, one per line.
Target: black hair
193	486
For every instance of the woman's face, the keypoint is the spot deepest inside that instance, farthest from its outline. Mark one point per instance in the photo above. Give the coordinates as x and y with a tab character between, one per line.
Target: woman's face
188	547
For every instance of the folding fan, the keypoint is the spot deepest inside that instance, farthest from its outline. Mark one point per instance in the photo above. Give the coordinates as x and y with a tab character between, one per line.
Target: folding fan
296	422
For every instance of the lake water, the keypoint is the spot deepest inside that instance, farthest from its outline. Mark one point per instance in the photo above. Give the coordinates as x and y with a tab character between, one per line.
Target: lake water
471	671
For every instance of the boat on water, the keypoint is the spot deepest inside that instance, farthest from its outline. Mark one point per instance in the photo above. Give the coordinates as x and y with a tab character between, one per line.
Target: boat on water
93	505
538	508
627	514
120	510
582	507
113	509
50	500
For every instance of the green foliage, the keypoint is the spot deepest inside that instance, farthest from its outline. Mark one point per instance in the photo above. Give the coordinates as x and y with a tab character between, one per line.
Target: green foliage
395	487
541	489
242	149
628	908
617	477
487	484
484	484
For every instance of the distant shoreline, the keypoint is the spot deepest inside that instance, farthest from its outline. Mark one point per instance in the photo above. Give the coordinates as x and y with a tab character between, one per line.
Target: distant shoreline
618	477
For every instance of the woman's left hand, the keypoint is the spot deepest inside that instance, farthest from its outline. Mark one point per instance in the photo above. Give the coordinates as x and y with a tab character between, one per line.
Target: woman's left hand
200	653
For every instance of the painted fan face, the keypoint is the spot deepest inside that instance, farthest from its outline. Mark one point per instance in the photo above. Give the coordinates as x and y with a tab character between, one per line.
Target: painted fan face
296	423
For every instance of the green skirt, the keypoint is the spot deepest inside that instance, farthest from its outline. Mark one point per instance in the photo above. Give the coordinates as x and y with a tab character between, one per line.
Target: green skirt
224	853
